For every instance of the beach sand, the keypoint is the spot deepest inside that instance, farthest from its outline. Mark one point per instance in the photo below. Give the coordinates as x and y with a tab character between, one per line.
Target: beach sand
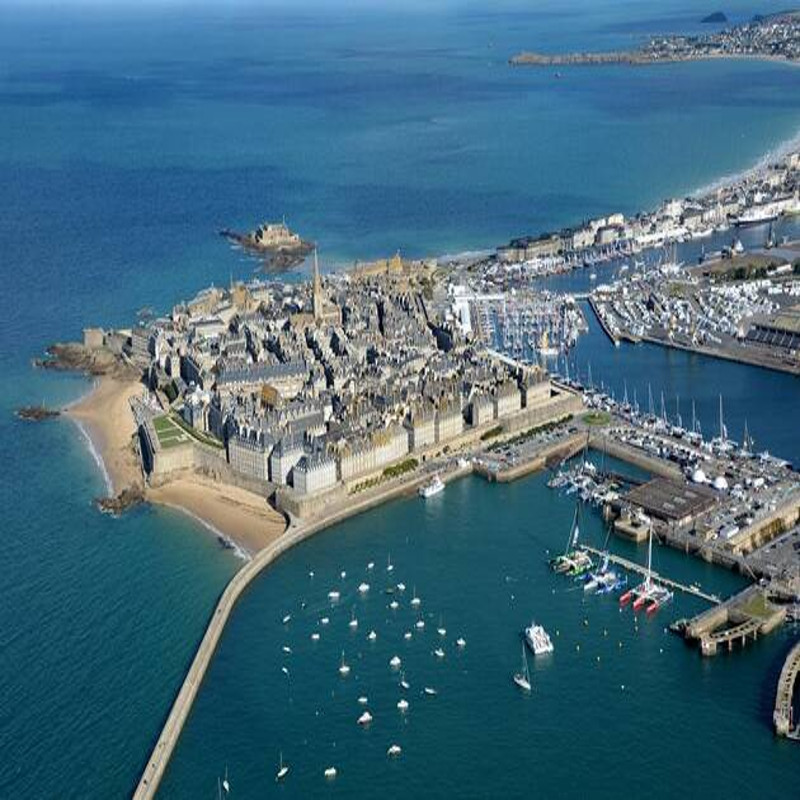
106	416
242	516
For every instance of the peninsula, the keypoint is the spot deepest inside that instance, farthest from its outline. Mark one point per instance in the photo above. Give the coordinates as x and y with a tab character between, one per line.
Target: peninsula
775	37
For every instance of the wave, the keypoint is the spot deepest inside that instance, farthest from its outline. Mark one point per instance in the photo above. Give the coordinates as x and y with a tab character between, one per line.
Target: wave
238	550
781	150
95	453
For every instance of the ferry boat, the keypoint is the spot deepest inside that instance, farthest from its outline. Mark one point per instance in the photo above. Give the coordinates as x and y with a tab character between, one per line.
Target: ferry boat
433	487
538	639
757	215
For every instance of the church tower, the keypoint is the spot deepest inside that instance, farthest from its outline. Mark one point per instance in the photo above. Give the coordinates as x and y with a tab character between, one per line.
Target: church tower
317	300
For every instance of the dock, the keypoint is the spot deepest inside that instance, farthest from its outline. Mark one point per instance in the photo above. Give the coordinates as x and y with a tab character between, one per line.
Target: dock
741	618
632	566
783	716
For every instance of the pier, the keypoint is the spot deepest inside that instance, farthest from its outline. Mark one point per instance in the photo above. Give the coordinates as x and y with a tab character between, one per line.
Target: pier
741	618
632	566
783	716
158	761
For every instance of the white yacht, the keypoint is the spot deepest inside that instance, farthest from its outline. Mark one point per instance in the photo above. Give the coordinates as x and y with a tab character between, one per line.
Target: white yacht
363	588
402	705
394	750
523	677
395	662
283	769
538	640
434	486
330	773
344	667
365	718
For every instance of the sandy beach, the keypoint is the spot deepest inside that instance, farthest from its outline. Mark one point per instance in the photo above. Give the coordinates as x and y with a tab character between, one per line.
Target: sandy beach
244	517
106	416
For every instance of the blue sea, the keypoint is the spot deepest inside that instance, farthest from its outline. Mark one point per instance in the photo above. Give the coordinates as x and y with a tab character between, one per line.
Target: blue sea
129	136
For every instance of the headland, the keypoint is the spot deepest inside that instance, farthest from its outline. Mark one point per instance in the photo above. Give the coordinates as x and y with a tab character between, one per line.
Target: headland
266	402
772	38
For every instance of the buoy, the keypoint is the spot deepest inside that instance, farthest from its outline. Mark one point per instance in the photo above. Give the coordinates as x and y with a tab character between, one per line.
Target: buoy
577	647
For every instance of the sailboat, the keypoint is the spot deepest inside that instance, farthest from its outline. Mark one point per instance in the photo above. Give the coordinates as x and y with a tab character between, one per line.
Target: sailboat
225	786
747	442
344	667
572	561
648	593
283	769
523	677
722	441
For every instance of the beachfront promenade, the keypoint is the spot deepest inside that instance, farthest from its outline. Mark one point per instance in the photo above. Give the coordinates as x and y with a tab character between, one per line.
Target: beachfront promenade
165	746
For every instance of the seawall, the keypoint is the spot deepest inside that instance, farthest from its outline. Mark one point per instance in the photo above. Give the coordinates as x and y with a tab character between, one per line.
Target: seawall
170	734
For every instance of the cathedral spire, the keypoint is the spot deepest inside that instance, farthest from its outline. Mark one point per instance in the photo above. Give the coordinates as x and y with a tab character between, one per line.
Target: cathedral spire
317	298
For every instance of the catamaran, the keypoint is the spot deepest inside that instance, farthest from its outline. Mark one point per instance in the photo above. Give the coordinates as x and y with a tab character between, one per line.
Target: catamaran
523	677
649	593
602	578
538	639
572	561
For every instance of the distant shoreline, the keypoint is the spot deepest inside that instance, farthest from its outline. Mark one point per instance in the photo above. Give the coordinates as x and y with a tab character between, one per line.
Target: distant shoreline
633	58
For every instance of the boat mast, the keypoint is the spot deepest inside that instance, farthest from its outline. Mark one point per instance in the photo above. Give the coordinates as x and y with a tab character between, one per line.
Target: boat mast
650	408
649	558
574	529
722	436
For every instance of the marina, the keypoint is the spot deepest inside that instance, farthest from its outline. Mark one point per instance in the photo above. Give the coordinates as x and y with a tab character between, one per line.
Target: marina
394	140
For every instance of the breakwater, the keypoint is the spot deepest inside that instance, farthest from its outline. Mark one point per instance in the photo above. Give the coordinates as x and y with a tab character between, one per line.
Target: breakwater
162	752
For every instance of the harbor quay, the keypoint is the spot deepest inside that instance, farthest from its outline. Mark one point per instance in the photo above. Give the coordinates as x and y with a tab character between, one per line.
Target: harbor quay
783	716
742	308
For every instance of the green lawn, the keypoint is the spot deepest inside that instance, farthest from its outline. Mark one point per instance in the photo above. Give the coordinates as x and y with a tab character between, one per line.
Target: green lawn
597	418
169	434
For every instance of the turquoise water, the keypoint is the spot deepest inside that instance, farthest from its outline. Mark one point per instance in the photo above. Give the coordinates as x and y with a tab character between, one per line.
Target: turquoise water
476	555
129	138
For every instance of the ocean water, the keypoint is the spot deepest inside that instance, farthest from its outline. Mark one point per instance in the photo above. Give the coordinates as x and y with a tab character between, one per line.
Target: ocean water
129	137
620	703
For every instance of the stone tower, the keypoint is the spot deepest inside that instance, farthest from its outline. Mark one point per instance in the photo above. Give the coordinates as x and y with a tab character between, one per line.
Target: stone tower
317	299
